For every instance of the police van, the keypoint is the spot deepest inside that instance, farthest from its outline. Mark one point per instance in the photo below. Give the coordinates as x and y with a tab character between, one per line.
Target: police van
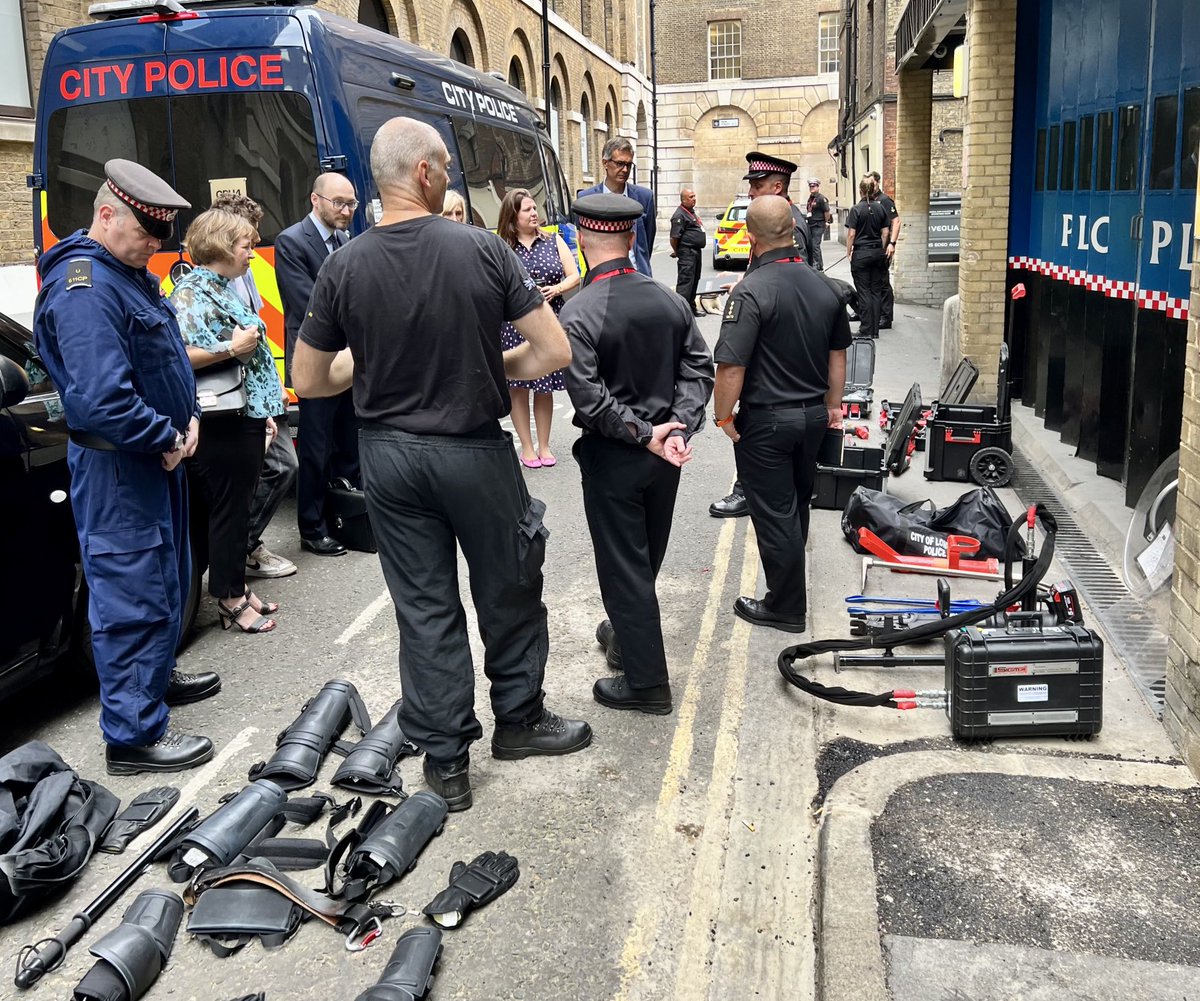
259	99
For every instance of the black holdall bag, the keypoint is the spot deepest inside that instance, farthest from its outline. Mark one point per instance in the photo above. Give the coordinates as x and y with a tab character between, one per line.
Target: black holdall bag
346	516
917	528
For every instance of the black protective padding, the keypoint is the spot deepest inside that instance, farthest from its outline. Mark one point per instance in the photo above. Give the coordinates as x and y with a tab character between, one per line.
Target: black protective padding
370	764
391	848
408	975
146	810
138	948
303	745
256	811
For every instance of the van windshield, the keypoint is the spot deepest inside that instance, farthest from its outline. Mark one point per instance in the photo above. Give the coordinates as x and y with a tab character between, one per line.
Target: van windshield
495	161
262	142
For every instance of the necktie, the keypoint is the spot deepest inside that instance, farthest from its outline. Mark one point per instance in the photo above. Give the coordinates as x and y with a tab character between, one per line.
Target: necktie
334	242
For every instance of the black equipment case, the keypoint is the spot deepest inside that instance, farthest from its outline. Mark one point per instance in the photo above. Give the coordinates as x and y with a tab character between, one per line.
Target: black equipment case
346	516
971	442
857	394
842	465
1024	680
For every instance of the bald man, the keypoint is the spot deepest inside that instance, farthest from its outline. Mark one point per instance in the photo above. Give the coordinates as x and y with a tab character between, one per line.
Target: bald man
327	446
781	360
438	471
688	241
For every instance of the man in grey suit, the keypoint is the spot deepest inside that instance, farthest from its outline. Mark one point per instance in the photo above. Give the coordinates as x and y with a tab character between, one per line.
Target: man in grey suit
327	444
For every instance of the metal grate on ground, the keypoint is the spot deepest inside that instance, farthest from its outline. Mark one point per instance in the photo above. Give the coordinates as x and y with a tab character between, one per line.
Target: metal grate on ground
1132	627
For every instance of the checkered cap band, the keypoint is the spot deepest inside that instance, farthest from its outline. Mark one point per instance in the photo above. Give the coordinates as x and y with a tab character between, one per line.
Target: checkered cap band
153	211
766	166
607	225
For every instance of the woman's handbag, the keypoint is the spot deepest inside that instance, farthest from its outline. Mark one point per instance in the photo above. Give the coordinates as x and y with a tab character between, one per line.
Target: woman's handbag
221	389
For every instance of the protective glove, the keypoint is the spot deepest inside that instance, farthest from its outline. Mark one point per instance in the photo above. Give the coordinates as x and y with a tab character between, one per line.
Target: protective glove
146	810
471	886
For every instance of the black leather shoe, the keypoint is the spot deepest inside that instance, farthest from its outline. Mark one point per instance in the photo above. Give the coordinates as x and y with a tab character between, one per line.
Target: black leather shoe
885	325
452	782
324	546
185	688
172	752
551	734
607	639
757	613
616	694
732	506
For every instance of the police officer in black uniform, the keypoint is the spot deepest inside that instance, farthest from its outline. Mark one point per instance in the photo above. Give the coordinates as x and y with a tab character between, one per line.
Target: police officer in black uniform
888	305
112	346
768	175
867	233
688	241
782	356
819	217
639	400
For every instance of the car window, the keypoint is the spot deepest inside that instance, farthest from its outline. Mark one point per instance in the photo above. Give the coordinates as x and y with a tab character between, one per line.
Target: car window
737	213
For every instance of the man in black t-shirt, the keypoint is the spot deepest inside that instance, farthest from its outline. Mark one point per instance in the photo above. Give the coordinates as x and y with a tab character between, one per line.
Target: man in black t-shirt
410	314
782	355
888	305
688	241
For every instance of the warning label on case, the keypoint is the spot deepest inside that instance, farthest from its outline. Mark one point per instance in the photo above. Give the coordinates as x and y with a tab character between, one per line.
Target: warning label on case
1033	693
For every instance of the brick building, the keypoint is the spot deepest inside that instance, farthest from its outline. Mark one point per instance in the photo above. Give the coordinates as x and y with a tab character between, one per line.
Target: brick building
733	77
600	58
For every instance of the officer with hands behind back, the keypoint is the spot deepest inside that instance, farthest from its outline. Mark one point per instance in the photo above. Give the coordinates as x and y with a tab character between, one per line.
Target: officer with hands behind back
112	346
639	379
782	354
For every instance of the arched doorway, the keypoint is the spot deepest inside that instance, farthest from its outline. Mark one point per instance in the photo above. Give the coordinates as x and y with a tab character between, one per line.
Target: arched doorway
719	156
460	48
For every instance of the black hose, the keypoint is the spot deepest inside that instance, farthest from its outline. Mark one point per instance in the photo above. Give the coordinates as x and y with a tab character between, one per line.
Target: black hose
900	637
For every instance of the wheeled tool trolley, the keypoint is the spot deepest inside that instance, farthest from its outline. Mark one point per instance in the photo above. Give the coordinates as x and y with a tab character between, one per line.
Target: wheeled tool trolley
969	442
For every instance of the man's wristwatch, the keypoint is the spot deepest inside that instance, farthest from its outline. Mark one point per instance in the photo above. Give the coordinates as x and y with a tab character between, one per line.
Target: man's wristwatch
180	441
722	421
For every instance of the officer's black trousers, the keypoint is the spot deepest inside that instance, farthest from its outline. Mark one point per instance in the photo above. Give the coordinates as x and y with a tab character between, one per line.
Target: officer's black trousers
425	494
817	234
887	305
688	279
776	463
226	467
629	499
326	448
868	268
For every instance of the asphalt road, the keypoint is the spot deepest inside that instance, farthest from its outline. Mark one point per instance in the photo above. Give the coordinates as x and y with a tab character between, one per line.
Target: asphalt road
669	860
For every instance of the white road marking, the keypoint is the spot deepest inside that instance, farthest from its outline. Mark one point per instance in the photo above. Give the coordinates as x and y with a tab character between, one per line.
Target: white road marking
364	619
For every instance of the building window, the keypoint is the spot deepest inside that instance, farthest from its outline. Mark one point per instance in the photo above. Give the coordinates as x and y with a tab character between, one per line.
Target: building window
460	49
373	14
725	50
828	26
516	75
585	127
14	70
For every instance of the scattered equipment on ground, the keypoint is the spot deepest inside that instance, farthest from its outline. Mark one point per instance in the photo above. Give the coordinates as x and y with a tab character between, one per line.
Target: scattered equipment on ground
131	956
858	393
973	442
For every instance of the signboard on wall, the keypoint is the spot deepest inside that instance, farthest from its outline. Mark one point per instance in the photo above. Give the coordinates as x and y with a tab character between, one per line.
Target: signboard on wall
944	213
726	123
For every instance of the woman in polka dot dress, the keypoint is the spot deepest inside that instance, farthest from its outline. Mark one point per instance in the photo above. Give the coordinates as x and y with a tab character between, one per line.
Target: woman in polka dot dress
550	264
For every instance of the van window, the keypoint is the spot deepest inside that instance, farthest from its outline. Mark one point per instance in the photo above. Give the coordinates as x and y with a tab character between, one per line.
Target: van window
558	185
493	162
267	138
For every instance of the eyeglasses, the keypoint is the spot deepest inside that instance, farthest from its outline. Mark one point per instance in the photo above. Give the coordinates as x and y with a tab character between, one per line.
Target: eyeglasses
622	164
340	203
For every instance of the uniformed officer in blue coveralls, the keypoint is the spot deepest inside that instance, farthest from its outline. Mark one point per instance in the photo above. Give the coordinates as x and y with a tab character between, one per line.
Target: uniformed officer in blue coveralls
112	346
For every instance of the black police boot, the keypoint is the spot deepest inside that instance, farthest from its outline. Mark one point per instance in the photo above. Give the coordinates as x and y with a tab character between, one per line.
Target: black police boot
616	694
450	781
172	752
185	688
731	506
607	639
548	734
757	613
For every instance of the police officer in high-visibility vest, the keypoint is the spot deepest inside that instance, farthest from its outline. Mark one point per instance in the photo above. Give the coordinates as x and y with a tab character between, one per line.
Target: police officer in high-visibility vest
639	399
110	342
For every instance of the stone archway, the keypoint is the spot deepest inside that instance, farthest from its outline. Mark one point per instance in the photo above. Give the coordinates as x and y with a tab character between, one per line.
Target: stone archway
464	18
719	156
521	53
403	20
818	125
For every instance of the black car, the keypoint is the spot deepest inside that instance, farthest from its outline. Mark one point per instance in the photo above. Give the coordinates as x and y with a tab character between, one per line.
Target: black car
43	594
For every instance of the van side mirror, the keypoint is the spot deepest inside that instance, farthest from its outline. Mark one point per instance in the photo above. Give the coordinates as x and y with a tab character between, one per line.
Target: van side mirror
14	383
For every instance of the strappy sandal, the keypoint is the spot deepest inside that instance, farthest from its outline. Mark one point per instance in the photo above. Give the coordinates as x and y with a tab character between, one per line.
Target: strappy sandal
265	607
229	617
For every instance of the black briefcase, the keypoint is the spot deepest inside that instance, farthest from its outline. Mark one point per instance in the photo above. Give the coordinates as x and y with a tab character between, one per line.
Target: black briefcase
346	516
